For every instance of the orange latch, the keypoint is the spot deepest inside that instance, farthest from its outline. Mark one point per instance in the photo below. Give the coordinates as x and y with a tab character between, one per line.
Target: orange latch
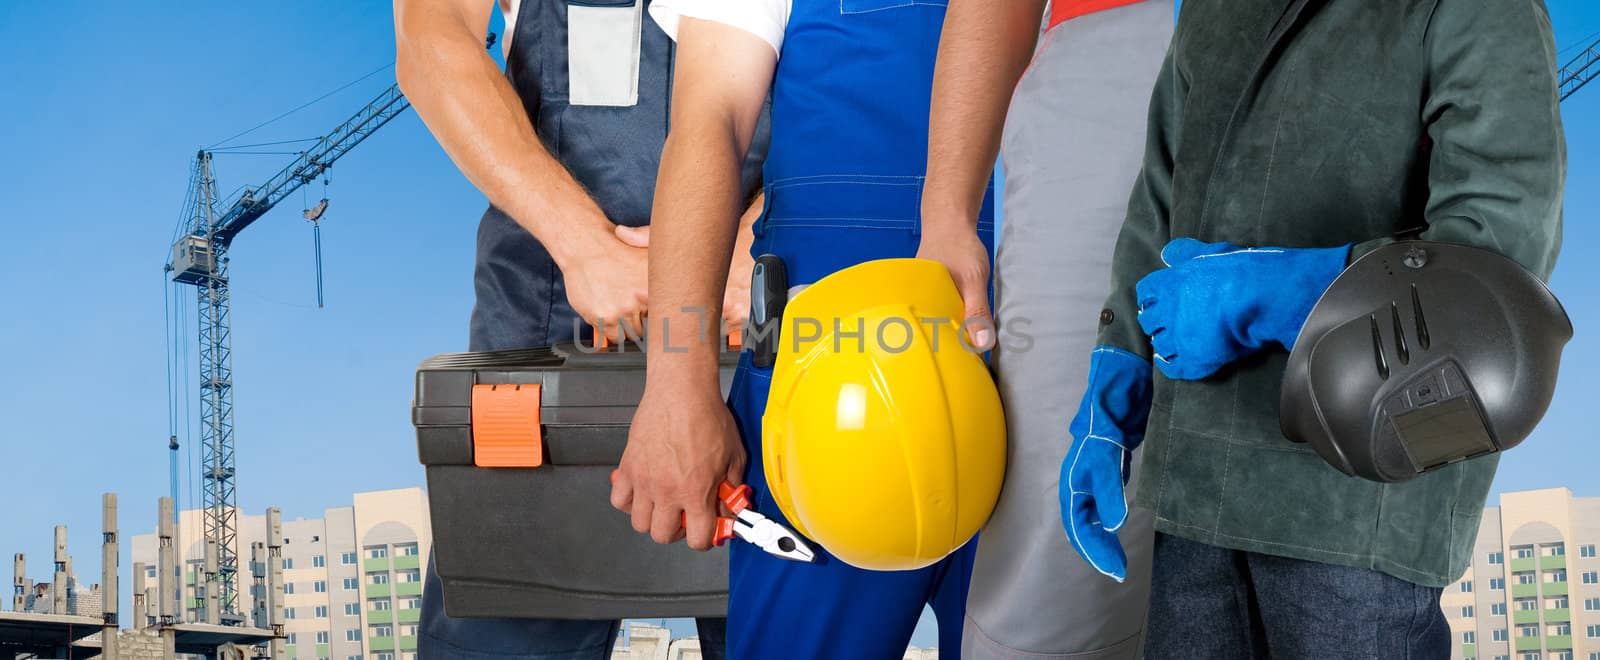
505	426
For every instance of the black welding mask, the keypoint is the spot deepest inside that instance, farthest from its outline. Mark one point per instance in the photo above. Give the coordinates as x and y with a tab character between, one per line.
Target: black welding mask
1420	355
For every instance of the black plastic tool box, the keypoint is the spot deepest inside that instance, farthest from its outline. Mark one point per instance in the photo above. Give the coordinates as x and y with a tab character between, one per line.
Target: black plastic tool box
519	447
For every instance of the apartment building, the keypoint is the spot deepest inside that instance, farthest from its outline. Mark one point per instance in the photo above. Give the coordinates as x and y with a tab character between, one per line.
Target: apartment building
352	578
1532	591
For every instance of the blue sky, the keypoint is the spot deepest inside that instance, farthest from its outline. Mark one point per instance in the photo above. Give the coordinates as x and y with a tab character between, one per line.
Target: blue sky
103	112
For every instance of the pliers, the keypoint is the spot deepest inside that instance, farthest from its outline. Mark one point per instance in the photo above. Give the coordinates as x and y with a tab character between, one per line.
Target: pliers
753	527
760	530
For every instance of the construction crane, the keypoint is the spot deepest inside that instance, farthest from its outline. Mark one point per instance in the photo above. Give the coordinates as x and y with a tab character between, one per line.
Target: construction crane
1580	70
199	258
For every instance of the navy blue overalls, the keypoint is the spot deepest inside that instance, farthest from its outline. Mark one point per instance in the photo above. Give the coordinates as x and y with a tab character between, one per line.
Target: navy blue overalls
613	151
843	182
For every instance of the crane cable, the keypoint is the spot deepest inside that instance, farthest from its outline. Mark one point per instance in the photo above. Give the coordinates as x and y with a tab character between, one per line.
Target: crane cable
300	107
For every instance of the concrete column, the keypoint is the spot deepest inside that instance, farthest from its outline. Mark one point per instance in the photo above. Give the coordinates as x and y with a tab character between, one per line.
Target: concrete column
108	577
168	581
213	614
275	583
58	586
168	584
19	584
139	607
258	585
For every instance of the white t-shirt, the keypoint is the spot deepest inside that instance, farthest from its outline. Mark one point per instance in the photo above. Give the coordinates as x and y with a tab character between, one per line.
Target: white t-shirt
766	19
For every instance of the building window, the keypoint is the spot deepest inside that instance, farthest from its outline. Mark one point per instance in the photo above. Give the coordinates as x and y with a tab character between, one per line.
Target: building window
1591	577
322	637
1527	604
1556	603
379	604
1469	637
1561	655
348	558
1497	584
1591	604
350	584
1525	578
1497	557
1528	631
1555	549
1528	655
377	551
1559	629
1466	587
352	609
352	635
1497	609
1557	575
377	578
288	563
355	657
320	586
383	630
288	613
322	611
1466	611
1500	635
288	588
291	639
1592	632
415	603
319	561
408	575
150	572
1586	551
405	549
408	630
1594	656
1523	551
385	655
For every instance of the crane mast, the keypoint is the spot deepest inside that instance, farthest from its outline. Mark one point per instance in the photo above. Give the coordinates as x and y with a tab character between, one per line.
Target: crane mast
200	259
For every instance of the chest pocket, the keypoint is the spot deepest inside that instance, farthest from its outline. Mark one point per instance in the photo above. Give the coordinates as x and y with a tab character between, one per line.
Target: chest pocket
603	52
864	6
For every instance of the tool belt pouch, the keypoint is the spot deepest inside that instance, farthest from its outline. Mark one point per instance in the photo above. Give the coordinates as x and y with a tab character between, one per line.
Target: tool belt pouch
519	447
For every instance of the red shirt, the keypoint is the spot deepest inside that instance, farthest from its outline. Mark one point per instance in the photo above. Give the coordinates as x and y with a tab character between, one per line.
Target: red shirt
1063	10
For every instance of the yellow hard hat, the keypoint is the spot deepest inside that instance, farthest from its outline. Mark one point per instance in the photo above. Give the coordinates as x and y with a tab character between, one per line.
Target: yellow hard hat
883	439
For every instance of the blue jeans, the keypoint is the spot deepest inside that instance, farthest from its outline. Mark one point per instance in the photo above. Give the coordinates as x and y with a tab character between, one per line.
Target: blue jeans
1211	602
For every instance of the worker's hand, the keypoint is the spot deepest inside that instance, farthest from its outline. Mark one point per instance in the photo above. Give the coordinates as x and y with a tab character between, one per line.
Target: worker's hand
736	296
682	445
606	281
1108	427
957	247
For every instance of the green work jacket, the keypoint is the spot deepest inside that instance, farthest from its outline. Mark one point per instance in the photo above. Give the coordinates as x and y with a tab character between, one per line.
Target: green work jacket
1316	123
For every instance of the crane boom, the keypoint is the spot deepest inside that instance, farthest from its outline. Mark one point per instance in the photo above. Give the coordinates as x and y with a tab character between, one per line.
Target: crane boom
252	203
1580	70
200	258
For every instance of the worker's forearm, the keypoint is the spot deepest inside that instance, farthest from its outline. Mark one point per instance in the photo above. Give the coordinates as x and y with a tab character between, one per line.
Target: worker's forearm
985	47
479	120
696	214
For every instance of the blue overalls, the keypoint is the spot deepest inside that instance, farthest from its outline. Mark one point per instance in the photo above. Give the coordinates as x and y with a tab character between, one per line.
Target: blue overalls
843	182
611	143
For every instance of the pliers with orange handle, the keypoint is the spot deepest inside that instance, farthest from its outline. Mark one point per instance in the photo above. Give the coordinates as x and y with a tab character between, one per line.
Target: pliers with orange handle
753	527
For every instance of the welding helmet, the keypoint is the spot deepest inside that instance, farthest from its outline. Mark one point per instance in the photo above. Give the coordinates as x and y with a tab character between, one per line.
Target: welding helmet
1421	355
883	438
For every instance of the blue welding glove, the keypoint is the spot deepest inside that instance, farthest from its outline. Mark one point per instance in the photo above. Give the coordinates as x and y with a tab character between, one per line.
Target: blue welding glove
1108	427
1217	302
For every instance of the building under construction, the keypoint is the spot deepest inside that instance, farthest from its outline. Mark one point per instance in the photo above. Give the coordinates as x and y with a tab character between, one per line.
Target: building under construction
62	619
